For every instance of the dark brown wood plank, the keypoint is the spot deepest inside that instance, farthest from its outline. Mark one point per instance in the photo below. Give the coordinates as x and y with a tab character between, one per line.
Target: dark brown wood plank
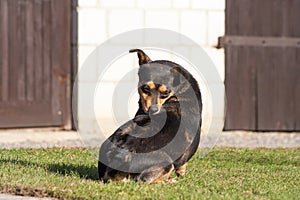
292	18
30	77
243	10
67	63
287	77
13	50
269	18
56	57
278	91
292	94
285	89
274	103
254	17
74	64
295	72
60	56
267	78
46	38
4	50
38	57
21	37
240	83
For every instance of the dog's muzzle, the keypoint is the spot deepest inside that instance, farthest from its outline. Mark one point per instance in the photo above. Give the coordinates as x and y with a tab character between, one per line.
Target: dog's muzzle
154	109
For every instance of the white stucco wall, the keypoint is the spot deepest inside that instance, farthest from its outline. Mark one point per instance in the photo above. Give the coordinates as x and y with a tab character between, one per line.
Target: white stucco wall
201	20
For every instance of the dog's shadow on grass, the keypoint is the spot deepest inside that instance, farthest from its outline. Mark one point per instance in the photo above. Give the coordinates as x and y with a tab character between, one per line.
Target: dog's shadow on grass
83	171
86	172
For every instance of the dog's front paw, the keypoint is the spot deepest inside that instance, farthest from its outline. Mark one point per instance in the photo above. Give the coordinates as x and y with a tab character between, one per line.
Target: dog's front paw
171	181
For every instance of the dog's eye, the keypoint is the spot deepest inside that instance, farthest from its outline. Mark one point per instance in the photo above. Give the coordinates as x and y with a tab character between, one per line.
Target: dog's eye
165	94
146	89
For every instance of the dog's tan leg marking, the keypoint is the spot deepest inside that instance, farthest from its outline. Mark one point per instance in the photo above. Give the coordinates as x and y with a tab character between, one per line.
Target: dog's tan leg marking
120	177
181	170
162	177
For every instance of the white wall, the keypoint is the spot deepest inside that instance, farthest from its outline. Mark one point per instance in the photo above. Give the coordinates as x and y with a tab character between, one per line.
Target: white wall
201	20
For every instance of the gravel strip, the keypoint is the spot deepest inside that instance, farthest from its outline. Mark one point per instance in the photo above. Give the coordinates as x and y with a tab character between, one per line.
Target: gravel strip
259	139
48	139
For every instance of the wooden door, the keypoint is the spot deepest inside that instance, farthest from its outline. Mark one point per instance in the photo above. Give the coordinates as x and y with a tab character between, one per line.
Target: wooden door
262	58
35	64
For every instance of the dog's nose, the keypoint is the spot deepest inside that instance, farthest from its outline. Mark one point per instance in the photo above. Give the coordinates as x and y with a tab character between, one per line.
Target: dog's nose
154	109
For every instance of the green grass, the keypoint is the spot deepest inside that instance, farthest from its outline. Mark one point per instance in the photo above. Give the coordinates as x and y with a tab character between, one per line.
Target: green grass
225	173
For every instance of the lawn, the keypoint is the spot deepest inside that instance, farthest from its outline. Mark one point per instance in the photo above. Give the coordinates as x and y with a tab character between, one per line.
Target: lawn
225	173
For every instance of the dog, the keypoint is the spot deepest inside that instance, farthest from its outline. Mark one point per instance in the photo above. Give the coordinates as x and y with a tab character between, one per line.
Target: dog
165	132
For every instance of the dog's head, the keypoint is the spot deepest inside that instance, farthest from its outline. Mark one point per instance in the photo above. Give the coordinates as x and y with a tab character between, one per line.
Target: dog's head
157	82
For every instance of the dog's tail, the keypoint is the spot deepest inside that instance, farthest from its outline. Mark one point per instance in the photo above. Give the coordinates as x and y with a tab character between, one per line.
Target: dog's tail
143	58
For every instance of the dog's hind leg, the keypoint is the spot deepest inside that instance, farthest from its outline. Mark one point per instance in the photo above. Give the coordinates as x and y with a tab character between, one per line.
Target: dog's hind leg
180	171
156	174
102	172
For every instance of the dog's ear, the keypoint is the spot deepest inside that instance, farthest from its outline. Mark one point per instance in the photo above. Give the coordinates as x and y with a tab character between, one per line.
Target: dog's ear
143	58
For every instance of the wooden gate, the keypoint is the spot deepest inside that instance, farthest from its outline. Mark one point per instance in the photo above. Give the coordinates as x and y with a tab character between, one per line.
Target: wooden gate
35	63
262	58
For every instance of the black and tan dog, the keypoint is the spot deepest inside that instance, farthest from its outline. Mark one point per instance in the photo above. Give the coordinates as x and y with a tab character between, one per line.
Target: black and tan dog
165	131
